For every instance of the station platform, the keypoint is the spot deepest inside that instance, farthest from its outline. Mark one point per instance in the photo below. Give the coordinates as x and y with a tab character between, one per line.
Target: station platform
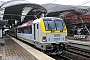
14	49
84	44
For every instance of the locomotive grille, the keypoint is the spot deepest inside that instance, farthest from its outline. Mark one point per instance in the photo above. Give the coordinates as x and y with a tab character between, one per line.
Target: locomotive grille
56	35
56	39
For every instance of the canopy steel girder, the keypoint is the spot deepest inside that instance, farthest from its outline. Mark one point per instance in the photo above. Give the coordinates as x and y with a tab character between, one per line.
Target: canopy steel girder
13	10
78	11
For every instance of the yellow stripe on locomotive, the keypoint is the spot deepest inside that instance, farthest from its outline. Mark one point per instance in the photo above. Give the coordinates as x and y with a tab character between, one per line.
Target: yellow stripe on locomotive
53	31
49	34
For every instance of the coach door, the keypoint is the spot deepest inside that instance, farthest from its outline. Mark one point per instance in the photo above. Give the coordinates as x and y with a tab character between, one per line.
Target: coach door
36	35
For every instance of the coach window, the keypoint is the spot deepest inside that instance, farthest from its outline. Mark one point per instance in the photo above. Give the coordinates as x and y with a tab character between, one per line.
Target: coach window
19	30
26	30
22	30
30	29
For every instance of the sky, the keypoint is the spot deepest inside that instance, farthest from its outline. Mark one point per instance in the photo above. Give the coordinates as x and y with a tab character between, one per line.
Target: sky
63	2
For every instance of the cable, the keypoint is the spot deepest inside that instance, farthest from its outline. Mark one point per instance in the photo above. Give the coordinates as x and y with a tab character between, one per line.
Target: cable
50	3
45	6
82	2
67	1
85	2
38	0
56	0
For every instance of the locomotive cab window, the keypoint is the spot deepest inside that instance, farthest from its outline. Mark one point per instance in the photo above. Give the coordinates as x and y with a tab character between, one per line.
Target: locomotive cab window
54	24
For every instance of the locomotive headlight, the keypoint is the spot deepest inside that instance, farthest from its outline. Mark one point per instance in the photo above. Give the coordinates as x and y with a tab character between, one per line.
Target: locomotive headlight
44	39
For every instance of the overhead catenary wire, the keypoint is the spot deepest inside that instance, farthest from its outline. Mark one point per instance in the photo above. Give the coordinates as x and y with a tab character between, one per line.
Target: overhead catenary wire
45	6
85	2
51	3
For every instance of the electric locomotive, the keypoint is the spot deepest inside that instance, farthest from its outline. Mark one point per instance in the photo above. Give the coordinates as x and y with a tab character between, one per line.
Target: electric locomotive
46	33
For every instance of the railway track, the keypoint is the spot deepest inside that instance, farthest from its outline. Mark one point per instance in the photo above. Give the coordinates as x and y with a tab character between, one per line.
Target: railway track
74	53
57	57
79	51
65	58
60	57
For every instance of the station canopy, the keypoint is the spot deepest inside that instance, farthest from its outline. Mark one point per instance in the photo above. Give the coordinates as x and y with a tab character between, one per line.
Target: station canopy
78	11
21	11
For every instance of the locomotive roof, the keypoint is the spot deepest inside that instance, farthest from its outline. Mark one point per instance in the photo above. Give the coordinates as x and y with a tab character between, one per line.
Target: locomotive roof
24	25
51	18
47	19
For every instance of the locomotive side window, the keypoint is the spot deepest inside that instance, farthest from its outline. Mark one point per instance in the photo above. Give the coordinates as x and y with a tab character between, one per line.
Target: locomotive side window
34	31
37	26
